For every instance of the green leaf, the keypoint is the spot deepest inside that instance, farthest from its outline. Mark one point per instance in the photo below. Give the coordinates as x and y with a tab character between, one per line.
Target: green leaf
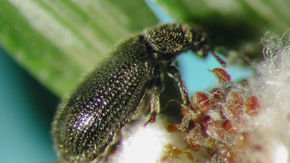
234	24
60	41
273	13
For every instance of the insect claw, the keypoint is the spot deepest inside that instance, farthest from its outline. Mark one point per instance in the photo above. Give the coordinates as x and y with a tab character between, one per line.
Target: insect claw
152	118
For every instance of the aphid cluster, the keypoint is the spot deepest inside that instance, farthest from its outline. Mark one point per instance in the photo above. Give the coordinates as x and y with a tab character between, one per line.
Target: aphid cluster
89	122
215	124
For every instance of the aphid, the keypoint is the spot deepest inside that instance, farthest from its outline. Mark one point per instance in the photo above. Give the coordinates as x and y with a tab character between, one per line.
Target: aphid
227	125
202	101
90	121
222	75
235	102
251	105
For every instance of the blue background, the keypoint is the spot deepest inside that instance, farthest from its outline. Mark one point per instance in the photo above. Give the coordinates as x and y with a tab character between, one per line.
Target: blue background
26	111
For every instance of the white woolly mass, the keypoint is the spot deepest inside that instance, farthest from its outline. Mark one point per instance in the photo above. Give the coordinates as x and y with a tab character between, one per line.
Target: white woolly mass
142	144
272	86
148	144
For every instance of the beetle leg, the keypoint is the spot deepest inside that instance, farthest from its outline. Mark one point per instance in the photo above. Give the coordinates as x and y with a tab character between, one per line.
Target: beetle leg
175	75
112	149
154	105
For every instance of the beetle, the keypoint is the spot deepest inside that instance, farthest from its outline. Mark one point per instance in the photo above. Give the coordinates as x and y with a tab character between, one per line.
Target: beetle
89	122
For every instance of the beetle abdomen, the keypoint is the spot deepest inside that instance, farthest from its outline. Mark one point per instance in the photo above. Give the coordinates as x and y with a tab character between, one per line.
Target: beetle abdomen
104	102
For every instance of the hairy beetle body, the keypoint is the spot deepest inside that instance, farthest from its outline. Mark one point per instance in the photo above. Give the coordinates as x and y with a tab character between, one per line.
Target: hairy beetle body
111	95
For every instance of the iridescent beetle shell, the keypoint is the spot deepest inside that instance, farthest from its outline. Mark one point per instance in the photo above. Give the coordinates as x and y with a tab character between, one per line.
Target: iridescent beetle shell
88	122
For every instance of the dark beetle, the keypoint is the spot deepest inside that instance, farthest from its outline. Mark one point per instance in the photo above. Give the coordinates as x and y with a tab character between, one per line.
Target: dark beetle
89	122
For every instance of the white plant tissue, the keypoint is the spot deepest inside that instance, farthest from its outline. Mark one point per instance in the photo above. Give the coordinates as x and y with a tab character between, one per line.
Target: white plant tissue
269	129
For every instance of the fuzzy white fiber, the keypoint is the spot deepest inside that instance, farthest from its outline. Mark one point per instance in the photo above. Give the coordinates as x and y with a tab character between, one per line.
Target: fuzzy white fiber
271	85
148	144
143	144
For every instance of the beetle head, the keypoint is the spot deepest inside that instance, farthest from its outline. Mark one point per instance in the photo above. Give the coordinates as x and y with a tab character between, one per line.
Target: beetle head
169	40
